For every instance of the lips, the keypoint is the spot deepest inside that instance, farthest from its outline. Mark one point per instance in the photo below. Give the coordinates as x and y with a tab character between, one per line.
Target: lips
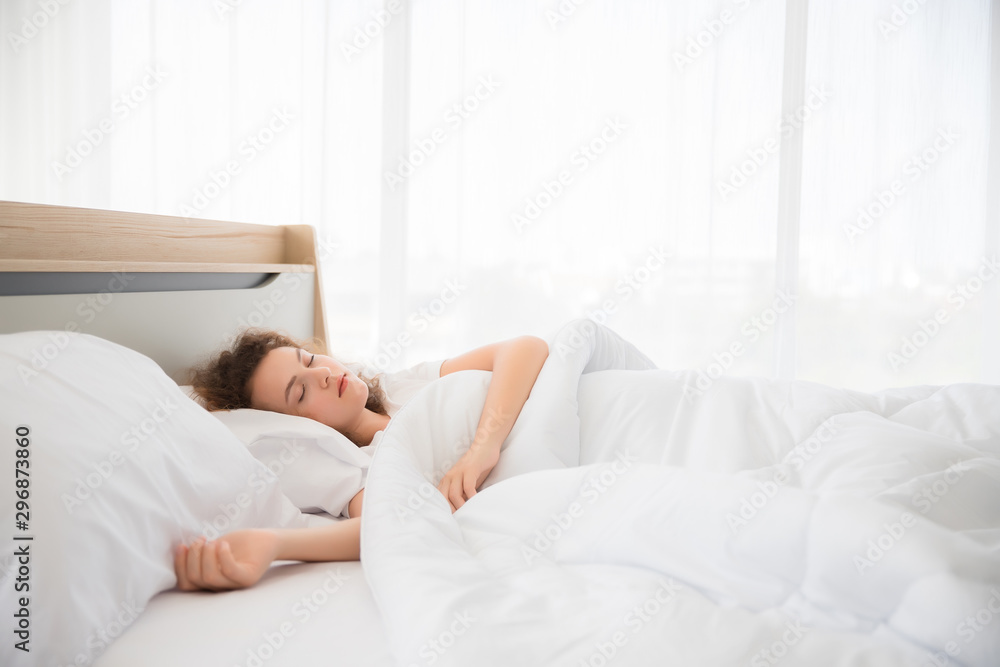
342	385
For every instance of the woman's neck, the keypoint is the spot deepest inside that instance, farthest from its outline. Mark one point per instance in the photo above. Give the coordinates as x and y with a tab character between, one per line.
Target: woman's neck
368	425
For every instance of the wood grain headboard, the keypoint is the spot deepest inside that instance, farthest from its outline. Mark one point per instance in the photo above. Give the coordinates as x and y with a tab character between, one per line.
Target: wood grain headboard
174	289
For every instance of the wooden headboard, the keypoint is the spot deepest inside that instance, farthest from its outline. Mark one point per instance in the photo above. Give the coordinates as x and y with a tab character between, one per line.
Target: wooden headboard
174	289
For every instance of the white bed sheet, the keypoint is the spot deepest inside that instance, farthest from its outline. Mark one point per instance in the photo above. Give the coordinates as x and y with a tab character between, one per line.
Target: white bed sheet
299	614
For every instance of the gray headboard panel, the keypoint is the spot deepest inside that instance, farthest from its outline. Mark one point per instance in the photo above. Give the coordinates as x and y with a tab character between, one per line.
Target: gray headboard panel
176	329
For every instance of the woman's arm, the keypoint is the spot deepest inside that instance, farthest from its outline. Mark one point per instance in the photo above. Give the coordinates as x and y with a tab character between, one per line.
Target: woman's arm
515	364
240	558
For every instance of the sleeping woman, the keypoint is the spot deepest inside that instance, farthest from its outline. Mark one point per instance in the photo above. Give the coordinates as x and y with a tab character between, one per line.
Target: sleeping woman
268	371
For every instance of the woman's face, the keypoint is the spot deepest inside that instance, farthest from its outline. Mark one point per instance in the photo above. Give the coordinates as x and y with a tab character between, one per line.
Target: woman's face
296	382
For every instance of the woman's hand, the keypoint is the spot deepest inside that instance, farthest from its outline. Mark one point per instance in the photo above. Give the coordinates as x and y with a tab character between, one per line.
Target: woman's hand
515	365
235	560
460	483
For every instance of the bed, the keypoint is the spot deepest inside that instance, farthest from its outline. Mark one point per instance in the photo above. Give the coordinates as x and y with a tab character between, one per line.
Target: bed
126	277
637	515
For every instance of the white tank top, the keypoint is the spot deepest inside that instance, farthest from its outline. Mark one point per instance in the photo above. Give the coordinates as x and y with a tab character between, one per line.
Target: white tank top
402	385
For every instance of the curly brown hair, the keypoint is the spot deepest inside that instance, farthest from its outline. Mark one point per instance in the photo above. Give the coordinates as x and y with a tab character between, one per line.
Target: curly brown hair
222	383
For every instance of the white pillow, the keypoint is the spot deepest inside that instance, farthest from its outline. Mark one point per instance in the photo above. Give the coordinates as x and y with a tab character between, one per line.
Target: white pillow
123	466
192	394
318	468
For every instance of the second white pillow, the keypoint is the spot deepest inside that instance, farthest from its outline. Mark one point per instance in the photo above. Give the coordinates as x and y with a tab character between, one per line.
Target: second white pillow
318	468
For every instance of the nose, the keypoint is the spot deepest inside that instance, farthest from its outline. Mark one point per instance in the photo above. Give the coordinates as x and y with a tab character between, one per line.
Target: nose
324	376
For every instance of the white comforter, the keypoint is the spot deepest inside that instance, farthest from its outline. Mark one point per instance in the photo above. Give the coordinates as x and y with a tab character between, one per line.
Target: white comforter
635	518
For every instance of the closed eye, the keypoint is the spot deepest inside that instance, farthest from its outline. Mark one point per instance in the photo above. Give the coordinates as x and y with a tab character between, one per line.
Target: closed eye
303	396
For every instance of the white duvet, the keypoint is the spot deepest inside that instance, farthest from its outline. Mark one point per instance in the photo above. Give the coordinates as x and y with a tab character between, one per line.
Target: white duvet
635	521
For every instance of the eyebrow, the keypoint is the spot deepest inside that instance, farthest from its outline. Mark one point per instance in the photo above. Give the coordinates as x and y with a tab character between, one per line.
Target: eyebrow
298	352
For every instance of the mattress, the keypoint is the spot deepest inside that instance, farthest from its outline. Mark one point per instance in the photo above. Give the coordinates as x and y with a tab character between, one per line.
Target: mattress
298	614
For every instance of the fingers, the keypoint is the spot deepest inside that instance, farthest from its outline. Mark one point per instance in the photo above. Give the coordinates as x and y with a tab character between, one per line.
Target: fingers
458	487
444	486
197	566
454	492
230	569
469	481
210	573
194	562
180	568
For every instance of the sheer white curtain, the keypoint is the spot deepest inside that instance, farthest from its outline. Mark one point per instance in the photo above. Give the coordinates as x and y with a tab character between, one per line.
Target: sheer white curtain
641	126
892	96
486	169
895	230
236	110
